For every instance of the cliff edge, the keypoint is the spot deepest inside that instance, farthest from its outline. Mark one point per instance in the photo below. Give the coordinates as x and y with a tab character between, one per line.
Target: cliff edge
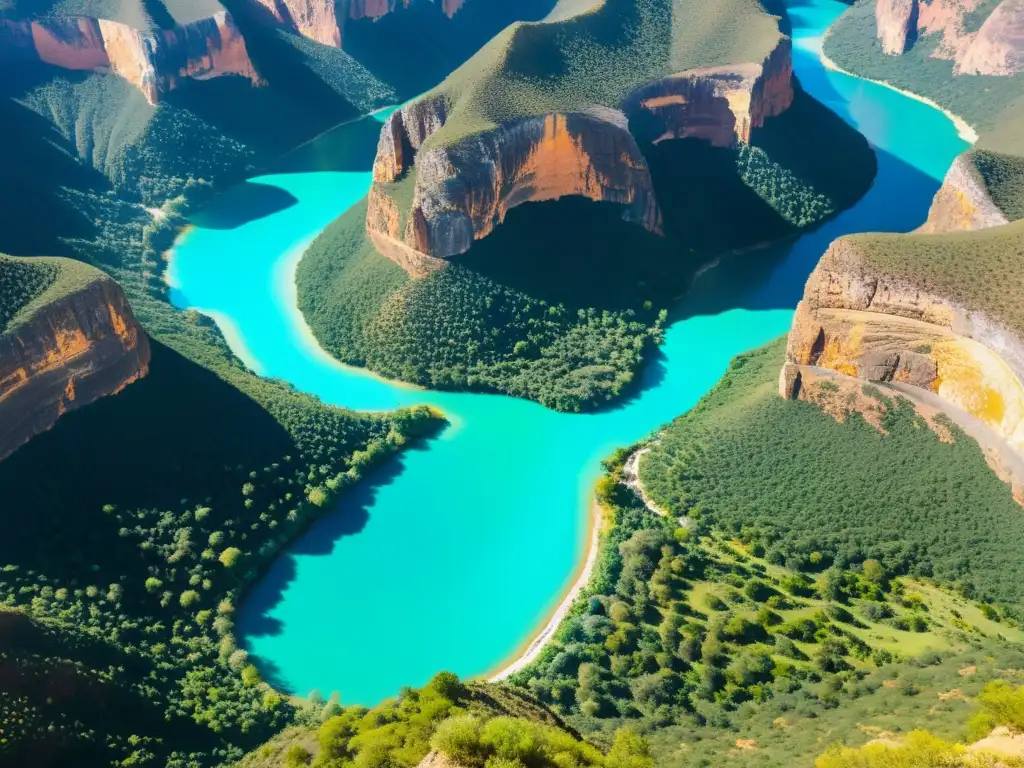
71	343
154	57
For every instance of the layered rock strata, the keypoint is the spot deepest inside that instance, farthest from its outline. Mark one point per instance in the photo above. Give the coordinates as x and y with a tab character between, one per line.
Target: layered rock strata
155	61
324	20
962	203
73	351
431	198
864	323
996	47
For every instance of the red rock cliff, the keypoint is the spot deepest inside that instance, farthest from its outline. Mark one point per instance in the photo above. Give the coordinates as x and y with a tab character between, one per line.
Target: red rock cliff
459	192
996	48
324	20
72	352
154	61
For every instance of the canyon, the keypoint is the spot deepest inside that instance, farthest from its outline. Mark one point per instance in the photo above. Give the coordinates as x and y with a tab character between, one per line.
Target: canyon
156	61
82	345
433	197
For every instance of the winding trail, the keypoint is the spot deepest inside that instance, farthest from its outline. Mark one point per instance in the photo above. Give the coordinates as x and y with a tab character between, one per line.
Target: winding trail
464	554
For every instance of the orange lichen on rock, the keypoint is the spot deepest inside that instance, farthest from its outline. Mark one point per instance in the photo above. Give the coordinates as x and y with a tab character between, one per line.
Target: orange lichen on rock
72	351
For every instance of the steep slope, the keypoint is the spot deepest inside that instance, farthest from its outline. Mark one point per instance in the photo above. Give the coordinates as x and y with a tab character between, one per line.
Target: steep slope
69	339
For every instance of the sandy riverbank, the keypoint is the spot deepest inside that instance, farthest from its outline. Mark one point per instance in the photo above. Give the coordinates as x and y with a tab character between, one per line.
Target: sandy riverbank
532	648
967	133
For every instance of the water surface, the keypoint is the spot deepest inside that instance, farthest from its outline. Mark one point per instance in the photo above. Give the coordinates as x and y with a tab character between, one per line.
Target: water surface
454	555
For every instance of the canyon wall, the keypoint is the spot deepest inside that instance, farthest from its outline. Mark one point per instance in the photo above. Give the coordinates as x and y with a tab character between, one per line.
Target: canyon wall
857	320
324	20
995	47
154	61
431	199
73	351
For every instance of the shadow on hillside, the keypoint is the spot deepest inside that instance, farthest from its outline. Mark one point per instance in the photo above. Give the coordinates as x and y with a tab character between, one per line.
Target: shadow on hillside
351	146
181	435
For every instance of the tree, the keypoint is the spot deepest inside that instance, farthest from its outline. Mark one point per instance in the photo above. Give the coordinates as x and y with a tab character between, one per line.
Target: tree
230	556
153	585
188	598
873	571
669	633
629	750
250	675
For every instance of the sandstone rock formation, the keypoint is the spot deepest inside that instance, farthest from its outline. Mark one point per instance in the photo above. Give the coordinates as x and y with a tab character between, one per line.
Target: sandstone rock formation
324	20
897	21
154	61
71	352
862	322
962	202
996	48
460	190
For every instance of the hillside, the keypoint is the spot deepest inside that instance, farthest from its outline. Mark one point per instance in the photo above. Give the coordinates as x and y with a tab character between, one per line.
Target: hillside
781	604
562	317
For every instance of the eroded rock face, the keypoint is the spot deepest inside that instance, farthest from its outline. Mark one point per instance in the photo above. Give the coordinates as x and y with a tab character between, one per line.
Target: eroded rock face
74	351
324	20
462	190
154	62
897	22
962	203
998	47
878	328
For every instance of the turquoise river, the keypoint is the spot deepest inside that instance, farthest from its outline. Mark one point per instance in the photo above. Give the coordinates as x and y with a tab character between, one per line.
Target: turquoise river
455	555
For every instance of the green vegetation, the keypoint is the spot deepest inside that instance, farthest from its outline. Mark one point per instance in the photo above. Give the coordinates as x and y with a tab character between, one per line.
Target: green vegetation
1000	704
1003	176
476	726
981	270
799	482
21	282
458	328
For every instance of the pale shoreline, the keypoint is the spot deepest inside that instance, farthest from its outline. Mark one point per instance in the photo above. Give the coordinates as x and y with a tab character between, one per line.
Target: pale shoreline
967	133
537	642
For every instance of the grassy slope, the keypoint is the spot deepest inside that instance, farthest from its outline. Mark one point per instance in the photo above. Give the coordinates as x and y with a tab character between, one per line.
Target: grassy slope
745	457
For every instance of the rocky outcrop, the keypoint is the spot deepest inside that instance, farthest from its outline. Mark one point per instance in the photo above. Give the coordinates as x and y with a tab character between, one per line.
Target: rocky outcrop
998	47
324	20
460	189
897	22
867	324
73	351
436	760
962	202
154	61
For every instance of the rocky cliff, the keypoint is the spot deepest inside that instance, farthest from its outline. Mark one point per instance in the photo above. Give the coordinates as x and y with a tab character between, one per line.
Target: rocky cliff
155	61
996	47
432	198
858	319
324	20
69	353
963	203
